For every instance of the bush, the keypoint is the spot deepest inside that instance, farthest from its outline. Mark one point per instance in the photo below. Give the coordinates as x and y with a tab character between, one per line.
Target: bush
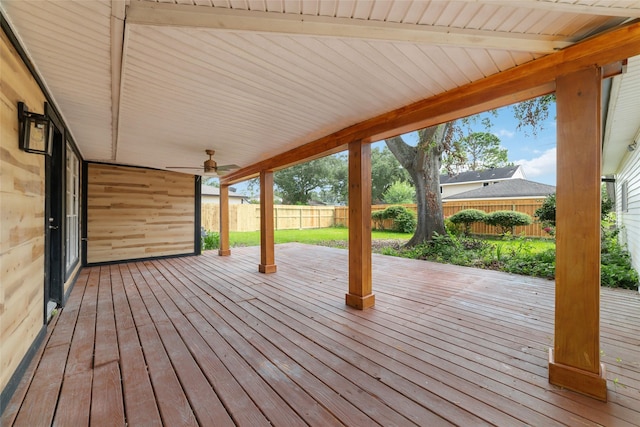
468	217
404	221
546	214
506	220
399	192
616	270
210	240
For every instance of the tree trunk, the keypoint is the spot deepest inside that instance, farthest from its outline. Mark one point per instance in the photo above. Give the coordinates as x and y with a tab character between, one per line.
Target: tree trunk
423	164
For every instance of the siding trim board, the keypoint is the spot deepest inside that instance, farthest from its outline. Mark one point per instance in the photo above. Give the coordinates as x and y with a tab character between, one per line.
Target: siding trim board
14	381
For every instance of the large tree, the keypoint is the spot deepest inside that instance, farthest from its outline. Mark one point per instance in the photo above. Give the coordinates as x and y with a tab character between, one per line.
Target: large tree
424	161
480	151
298	184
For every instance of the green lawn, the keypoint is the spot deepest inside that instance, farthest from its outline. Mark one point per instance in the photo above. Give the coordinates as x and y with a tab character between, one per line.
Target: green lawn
314	236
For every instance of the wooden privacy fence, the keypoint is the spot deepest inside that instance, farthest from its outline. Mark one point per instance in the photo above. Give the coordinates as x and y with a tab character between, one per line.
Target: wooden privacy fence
247	217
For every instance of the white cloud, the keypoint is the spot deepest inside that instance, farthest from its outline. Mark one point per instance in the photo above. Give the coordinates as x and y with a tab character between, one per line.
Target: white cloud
505	133
541	166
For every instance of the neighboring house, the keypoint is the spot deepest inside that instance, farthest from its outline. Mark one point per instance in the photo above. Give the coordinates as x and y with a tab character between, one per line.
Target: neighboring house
465	181
211	194
506	189
621	156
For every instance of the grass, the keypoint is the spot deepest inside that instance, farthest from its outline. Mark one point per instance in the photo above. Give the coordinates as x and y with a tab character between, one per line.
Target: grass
313	236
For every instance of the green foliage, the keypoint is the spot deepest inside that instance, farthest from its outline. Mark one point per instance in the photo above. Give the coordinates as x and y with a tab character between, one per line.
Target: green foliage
467	217
506	220
616	270
404	221
546	214
210	240
299	184
482	150
385	170
400	192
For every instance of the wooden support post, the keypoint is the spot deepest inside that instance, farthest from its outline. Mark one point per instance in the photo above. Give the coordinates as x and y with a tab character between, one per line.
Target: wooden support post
224	221
360	295
267	247
574	362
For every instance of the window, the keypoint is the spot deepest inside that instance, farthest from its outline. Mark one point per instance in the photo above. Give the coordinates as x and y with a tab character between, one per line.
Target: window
72	229
623	197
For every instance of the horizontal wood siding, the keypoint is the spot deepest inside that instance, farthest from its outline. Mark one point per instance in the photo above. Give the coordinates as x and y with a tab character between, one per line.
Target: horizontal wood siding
629	220
22	193
137	213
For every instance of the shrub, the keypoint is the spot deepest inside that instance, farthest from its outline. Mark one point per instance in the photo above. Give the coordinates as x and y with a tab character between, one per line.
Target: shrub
210	240
404	221
546	214
616	270
506	220
468	217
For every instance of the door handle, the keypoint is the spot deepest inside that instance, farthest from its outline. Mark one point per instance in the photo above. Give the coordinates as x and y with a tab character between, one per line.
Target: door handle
53	227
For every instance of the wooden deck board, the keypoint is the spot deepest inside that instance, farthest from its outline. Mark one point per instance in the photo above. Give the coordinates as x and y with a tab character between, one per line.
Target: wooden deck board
208	340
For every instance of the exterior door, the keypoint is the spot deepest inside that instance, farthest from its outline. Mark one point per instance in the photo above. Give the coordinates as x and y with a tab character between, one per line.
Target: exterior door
54	216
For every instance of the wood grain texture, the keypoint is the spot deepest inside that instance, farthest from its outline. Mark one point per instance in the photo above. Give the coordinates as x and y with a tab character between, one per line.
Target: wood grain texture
444	345
577	319
267	251
224	221
21	218
360	295
138	213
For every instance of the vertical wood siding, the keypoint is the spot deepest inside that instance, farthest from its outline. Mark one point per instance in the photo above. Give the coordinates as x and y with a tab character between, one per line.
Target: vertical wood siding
22	193
138	213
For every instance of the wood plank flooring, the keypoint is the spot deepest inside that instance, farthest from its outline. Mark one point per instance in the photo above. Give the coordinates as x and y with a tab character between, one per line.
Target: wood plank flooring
210	341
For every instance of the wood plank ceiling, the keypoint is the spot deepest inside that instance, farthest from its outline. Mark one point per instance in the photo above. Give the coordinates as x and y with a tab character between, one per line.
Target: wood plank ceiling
159	82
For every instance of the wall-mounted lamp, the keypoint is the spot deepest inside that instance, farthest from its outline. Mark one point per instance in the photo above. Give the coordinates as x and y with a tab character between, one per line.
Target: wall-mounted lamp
35	133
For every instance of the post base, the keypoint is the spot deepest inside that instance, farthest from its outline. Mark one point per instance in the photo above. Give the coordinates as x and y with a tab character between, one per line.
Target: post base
361	303
225	252
578	380
267	268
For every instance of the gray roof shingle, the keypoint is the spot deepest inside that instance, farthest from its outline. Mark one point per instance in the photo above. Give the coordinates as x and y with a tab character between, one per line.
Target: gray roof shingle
507	188
483	175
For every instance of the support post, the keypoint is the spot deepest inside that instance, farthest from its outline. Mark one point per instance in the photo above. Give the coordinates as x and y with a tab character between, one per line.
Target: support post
267	246
224	221
360	294
574	362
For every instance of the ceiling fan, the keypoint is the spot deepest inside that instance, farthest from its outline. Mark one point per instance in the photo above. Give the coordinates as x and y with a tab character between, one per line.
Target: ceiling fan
210	166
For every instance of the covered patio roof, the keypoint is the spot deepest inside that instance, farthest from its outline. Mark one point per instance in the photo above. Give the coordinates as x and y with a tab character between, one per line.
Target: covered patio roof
209	340
155	83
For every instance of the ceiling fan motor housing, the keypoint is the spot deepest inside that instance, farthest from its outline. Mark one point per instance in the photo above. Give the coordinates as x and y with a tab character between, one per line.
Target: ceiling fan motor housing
210	165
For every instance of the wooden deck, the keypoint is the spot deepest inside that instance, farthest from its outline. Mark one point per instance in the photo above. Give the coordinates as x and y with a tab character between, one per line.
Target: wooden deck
208	340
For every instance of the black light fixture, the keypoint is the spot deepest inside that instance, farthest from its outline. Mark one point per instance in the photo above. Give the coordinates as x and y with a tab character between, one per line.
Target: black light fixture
35	132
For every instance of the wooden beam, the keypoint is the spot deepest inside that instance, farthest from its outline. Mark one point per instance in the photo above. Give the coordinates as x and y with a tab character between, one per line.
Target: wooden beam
360	295
215	18
575	360
224	221
517	84
267	243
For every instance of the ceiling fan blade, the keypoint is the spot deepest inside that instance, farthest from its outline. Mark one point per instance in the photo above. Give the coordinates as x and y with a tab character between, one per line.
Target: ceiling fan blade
228	167
183	167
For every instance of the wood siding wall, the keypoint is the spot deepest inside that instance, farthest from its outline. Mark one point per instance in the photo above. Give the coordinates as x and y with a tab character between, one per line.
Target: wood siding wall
629	219
137	213
22	233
